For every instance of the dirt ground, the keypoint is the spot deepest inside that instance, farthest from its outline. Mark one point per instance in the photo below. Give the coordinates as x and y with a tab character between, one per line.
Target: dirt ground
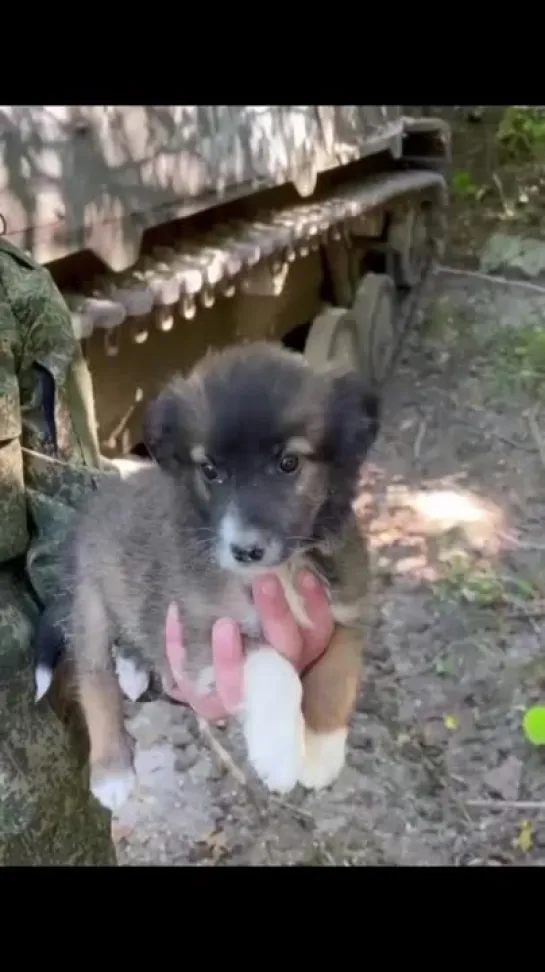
438	768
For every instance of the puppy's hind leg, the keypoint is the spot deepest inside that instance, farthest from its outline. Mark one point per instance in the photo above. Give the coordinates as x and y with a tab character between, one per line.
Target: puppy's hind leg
272	719
330	689
111	762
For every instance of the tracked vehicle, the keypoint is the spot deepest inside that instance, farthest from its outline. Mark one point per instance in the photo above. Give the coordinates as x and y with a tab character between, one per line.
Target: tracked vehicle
172	229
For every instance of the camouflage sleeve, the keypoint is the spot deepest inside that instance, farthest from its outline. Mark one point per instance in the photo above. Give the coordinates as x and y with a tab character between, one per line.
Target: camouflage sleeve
47	815
13	534
60	454
48	460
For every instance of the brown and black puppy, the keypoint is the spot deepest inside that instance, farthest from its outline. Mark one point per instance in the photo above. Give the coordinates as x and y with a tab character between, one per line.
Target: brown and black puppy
258	459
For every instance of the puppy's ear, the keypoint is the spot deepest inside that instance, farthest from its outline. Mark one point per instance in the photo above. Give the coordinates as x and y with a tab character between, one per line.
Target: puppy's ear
167	426
352	421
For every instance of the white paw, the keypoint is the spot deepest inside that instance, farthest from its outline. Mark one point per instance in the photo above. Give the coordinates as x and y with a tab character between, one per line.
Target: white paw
113	789
324	758
43	677
133	678
272	719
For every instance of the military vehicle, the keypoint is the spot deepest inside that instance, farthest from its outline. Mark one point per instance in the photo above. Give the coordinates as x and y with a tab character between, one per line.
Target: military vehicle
173	228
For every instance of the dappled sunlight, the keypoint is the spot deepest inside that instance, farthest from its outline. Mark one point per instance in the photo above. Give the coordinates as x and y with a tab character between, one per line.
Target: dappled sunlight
75	177
129	465
418	532
481	521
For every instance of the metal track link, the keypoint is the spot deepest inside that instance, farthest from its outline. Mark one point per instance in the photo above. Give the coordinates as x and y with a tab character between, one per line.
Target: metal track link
222	261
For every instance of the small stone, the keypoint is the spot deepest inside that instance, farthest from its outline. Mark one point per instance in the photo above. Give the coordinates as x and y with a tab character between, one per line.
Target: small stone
216	771
513	253
504	779
186	759
363	741
181	737
153	722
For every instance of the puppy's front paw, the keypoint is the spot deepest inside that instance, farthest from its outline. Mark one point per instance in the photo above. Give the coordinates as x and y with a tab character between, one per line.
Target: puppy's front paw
276	752
133	678
112	784
324	758
272	718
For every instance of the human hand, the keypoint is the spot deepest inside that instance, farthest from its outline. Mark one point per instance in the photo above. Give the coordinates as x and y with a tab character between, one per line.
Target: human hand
301	646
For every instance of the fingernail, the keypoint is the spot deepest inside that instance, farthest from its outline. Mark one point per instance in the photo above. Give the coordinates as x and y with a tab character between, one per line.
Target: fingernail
308	580
225	628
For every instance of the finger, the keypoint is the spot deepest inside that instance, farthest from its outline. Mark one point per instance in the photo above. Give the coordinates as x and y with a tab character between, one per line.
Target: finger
174	643
208	706
228	657
279	626
315	639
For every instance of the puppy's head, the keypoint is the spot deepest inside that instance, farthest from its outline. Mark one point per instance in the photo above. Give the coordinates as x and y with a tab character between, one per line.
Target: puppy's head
272	449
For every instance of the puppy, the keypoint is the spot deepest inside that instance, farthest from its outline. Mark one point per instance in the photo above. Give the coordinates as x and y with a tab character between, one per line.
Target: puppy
257	464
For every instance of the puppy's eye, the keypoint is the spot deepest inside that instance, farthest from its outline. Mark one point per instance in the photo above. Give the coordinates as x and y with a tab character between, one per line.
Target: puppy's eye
288	463
209	471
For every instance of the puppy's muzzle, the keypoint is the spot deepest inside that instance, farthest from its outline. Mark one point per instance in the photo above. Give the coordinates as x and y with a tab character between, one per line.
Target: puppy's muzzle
242	546
250	554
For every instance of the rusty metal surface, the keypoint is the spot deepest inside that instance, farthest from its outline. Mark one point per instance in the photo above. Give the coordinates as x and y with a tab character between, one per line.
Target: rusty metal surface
95	177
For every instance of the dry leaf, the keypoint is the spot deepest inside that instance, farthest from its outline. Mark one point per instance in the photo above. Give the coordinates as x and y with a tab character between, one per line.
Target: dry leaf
504	780
524	840
216	843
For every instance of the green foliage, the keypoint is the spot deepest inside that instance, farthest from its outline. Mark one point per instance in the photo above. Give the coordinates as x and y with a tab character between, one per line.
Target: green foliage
518	358
521	132
464	184
533	725
467	582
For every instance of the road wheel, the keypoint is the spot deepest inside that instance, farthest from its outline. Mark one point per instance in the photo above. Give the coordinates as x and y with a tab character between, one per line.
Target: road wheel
332	338
374	312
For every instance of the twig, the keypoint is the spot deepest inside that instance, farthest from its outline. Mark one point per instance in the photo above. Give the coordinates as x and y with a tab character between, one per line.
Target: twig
489	278
451	794
419	438
221	752
507	804
536	434
227	761
508	210
298	811
524	615
489	433
518	543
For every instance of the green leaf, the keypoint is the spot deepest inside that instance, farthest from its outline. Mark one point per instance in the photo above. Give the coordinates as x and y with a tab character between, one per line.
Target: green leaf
525	589
464	184
444	666
533	725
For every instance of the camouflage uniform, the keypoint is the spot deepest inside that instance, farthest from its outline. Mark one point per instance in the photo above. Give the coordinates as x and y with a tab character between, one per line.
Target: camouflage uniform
48	459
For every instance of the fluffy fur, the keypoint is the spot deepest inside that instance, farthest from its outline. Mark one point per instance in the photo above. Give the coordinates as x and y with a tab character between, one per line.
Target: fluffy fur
257	463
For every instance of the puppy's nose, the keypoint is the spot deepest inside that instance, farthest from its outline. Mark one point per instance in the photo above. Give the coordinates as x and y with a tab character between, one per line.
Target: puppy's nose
250	554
